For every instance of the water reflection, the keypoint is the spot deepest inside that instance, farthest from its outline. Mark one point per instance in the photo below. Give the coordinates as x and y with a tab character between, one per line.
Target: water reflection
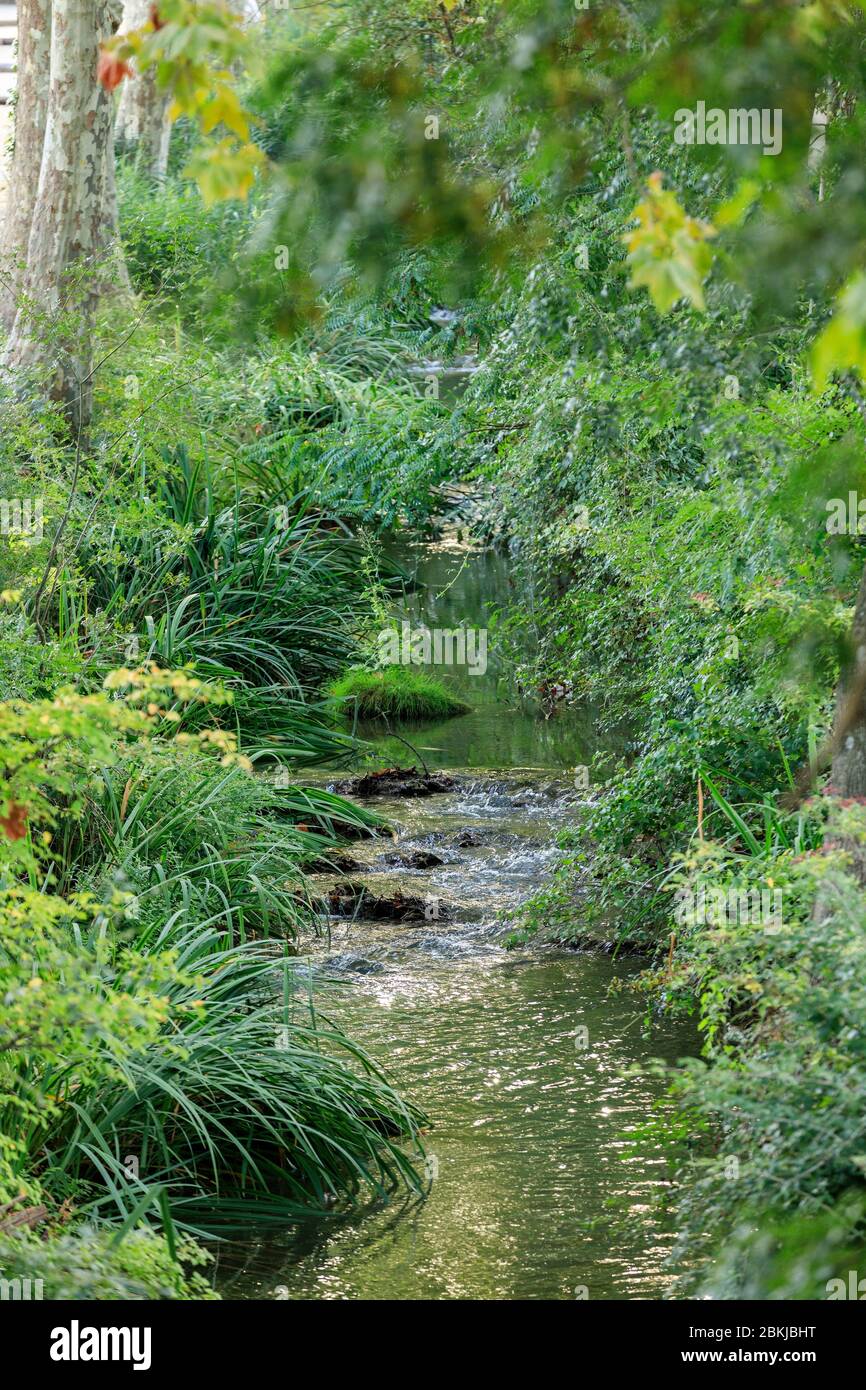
459	587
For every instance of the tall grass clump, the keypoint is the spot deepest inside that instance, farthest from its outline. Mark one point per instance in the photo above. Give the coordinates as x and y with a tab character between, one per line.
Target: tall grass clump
266	596
179	831
395	693
248	1108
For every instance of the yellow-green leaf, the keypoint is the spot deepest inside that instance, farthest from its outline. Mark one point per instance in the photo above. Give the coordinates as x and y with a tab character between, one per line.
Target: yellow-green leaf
668	251
732	212
224	170
224	108
841	346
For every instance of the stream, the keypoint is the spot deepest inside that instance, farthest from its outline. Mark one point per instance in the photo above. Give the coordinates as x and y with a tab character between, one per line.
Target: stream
520	1057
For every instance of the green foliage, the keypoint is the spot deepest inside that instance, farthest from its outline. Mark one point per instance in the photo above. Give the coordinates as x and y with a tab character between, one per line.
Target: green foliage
251	1108
780	1003
258	594
62	1002
173	245
255	591
147	1019
668	251
183	834
144	1011
91	1263
797	1257
236	1108
188	50
842	343
52	747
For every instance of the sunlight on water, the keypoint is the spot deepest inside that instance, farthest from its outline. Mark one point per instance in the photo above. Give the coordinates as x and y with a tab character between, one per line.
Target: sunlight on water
530	1142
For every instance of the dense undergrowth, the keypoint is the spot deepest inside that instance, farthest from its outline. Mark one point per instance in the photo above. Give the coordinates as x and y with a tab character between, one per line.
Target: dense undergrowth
168	1075
684	583
654	478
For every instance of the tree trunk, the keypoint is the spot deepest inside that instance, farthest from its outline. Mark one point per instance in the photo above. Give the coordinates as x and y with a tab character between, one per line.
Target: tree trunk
114	276
818	148
31	106
142	115
848	775
67	235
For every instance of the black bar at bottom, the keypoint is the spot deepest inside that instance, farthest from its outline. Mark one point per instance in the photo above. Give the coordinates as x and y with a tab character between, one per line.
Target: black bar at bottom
85	1340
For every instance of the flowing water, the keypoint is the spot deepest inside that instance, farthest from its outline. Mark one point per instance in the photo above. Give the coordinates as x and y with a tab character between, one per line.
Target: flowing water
542	1185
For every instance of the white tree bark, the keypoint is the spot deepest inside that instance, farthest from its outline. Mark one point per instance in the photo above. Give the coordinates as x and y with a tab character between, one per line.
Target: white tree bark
818	147
114	279
142	114
67	234
31	107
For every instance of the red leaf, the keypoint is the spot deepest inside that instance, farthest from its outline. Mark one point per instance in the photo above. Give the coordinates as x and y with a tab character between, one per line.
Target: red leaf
111	70
14	826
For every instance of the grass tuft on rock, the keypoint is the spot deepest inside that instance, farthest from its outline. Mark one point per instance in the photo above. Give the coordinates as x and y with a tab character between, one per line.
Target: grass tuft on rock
398	693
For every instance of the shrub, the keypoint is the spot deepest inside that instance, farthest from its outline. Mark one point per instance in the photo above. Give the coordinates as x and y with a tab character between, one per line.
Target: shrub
780	1003
90	1263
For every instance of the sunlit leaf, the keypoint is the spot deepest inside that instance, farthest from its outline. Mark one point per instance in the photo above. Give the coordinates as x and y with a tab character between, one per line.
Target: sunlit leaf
224	170
225	108
841	346
668	251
